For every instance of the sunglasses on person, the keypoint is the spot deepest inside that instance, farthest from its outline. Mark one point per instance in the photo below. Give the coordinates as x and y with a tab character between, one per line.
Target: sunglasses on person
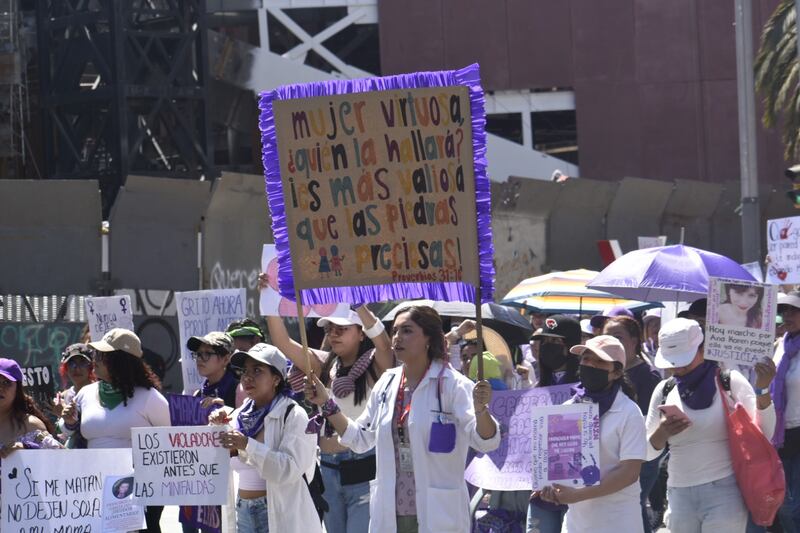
75	363
203	355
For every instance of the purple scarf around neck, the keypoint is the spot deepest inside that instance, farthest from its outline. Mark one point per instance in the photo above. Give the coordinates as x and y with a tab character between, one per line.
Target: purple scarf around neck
791	345
221	388
604	399
698	387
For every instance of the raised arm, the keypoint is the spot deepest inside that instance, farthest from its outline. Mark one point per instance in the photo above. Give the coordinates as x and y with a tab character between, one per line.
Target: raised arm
374	329
291	348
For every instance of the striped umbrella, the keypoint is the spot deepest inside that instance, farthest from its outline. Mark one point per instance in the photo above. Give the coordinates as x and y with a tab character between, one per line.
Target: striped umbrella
566	292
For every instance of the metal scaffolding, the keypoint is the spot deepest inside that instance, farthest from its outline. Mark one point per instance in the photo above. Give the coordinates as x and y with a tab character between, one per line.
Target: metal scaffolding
14	107
123	88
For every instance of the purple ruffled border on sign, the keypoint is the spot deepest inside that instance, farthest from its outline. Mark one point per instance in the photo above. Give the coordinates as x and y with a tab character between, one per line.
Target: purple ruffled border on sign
444	291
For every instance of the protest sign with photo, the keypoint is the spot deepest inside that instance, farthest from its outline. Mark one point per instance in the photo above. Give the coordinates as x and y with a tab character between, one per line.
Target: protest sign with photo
104	313
509	466
740	321
58	490
783	249
271	302
566	445
181	465
120	513
200	312
378	189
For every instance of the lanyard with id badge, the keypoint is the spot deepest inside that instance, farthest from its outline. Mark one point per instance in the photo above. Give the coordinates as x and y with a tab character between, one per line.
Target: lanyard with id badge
443	432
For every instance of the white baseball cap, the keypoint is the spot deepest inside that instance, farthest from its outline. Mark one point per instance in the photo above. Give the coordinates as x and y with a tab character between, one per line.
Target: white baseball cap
350	320
678	341
263	353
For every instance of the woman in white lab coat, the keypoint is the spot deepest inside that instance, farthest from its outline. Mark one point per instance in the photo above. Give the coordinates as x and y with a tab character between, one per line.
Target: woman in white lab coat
421	417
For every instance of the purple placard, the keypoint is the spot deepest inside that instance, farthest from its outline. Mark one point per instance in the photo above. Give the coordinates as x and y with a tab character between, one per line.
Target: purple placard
186	410
443	287
509	466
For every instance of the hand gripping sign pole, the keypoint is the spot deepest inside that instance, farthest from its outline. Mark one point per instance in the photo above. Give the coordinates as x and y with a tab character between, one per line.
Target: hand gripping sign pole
301	323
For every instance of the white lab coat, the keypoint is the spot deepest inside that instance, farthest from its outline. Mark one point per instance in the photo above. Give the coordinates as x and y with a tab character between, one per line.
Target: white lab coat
285	455
442	499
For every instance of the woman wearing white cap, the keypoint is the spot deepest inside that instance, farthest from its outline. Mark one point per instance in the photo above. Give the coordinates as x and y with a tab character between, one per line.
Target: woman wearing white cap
270	449
612	505
126	396
701	489
350	369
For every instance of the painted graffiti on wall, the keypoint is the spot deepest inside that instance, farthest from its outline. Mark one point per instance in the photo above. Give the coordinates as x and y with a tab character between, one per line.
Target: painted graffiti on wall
37	347
235	278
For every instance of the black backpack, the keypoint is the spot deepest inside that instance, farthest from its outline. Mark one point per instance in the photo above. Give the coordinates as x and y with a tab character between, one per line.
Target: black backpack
316	488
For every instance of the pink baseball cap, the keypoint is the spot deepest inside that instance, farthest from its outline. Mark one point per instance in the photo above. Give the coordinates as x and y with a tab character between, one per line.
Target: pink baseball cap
606	347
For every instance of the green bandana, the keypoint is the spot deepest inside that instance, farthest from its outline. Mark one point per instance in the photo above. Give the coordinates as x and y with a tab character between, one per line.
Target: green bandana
247	331
110	397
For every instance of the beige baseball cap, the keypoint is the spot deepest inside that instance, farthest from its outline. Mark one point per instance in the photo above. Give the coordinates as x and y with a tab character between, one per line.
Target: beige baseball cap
606	347
119	339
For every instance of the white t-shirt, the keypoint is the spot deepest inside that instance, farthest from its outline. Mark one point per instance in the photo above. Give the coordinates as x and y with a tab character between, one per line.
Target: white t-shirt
111	428
622	438
700	453
792	414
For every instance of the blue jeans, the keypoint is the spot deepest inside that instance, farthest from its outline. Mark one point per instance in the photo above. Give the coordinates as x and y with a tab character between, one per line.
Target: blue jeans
713	507
348	504
542	520
251	515
789	513
648	476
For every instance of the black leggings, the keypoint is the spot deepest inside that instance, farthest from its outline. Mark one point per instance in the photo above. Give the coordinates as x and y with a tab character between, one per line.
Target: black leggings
152	515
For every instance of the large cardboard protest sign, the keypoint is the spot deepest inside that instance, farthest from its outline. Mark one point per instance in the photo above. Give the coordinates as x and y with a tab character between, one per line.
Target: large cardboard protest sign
200	312
108	312
783	248
271	302
740	321
566	445
181	465
58	490
509	466
378	189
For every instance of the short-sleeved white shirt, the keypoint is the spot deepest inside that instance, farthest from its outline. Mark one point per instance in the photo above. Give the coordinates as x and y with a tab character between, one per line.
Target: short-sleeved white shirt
622	438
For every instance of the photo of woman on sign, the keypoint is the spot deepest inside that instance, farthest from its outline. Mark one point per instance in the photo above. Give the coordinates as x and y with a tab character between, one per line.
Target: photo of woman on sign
741	305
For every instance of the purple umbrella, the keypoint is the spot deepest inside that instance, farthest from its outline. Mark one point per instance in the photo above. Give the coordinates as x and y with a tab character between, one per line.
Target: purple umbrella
675	273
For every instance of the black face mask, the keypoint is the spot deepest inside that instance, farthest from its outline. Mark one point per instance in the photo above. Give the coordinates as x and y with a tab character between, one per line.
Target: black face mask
593	379
552	356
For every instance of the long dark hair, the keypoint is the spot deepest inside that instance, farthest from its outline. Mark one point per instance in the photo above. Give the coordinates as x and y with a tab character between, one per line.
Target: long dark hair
431	323
127	372
361	382
754	313
24	406
624	381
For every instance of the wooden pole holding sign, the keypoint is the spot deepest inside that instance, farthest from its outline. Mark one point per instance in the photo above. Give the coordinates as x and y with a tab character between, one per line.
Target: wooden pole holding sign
479	330
301	320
